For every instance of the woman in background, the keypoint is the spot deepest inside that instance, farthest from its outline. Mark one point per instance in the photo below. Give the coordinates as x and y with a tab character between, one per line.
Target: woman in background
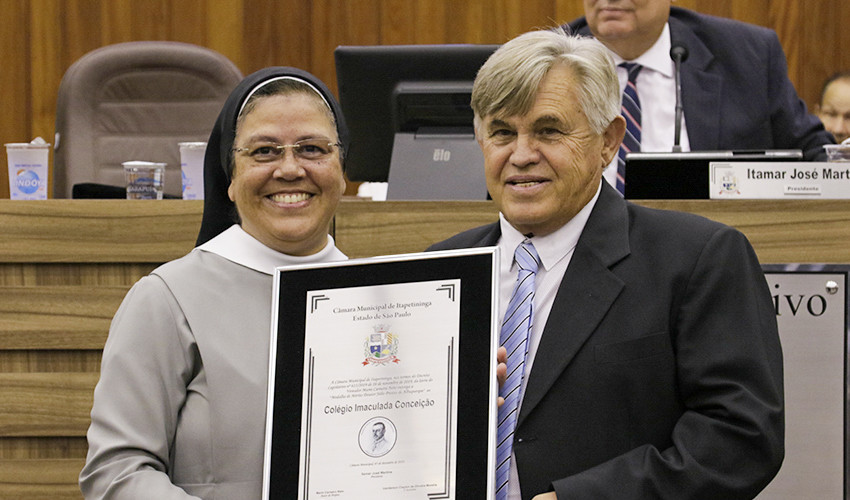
179	411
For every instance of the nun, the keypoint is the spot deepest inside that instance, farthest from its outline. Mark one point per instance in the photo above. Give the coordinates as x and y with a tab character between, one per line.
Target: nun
179	410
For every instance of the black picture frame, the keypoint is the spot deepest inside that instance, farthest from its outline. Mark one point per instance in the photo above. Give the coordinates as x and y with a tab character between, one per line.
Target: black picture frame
477	270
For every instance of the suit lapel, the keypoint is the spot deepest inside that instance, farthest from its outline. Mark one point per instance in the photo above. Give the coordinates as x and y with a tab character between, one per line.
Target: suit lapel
701	90
584	296
490	237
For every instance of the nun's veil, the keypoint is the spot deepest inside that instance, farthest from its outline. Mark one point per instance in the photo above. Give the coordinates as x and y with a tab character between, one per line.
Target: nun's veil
219	211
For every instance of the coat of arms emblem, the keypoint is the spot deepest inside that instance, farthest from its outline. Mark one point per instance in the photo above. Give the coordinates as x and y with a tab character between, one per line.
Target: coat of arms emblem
381	347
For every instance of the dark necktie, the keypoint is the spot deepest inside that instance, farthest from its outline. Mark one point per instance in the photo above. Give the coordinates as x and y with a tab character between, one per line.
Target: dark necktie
630	110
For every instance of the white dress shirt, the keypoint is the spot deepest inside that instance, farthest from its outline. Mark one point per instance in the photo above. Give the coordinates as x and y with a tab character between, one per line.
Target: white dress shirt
656	89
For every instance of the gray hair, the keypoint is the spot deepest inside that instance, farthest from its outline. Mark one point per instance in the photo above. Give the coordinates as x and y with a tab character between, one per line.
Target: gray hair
507	83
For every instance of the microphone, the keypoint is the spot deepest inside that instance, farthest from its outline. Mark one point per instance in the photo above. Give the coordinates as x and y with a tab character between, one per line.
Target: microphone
679	53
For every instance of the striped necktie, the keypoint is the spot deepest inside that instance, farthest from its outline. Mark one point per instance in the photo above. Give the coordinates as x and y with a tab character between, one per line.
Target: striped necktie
630	110
514	337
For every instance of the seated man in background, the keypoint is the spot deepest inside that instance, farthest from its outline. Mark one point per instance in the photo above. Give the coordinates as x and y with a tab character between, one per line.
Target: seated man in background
643	359
735	88
834	107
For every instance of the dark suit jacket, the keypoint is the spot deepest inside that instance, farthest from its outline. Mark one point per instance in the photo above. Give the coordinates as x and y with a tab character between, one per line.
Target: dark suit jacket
659	372
735	88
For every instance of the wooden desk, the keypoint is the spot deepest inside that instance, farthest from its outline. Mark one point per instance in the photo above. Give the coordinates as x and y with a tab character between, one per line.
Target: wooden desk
65	266
815	231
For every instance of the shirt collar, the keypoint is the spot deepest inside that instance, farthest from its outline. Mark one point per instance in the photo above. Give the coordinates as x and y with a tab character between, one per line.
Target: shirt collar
235	245
554	246
657	58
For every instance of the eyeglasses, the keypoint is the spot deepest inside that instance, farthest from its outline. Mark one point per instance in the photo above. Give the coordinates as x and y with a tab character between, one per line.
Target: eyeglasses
308	149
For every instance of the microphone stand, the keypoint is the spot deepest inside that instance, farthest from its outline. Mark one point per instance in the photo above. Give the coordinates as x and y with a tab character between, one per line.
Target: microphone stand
679	54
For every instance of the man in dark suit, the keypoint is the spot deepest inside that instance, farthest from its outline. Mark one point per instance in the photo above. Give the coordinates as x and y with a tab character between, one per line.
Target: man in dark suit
650	366
735	88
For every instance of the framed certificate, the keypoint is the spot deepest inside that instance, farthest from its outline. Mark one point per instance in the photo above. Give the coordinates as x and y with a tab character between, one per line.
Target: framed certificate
382	378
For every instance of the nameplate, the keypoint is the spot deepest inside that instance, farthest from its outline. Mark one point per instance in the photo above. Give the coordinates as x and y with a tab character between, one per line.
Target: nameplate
779	180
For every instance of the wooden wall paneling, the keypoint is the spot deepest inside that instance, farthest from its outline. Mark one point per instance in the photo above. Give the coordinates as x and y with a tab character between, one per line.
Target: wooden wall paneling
689	4
276	33
99	232
154	18
781	231
49	361
509	18
444	21
37	449
840	46
466	23
57	317
567	10
819	30
16	65
15	84
754	11
401	20
826	47
49	231
117	21
121	274
225	29
48	480
783	17
79	25
425	25
131	20
721	8
78	274
14	274
258	45
505	19
186	21
340	22
47	70
46	404
292	43
365	229
55	313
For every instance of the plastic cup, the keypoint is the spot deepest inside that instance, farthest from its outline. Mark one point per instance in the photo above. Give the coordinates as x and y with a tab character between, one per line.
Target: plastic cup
192	168
837	152
27	170
144	179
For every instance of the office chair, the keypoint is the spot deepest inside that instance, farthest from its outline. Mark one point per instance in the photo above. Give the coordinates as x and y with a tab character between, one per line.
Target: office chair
135	101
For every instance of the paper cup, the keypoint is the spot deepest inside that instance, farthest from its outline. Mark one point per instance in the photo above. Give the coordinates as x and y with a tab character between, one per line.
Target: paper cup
144	180
27	170
837	152
192	168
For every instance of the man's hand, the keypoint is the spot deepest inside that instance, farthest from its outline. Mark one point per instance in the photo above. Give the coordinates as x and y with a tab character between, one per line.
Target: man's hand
501	370
546	496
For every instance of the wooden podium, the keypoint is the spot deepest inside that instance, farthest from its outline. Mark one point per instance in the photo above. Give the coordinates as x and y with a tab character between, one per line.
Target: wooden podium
65	266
